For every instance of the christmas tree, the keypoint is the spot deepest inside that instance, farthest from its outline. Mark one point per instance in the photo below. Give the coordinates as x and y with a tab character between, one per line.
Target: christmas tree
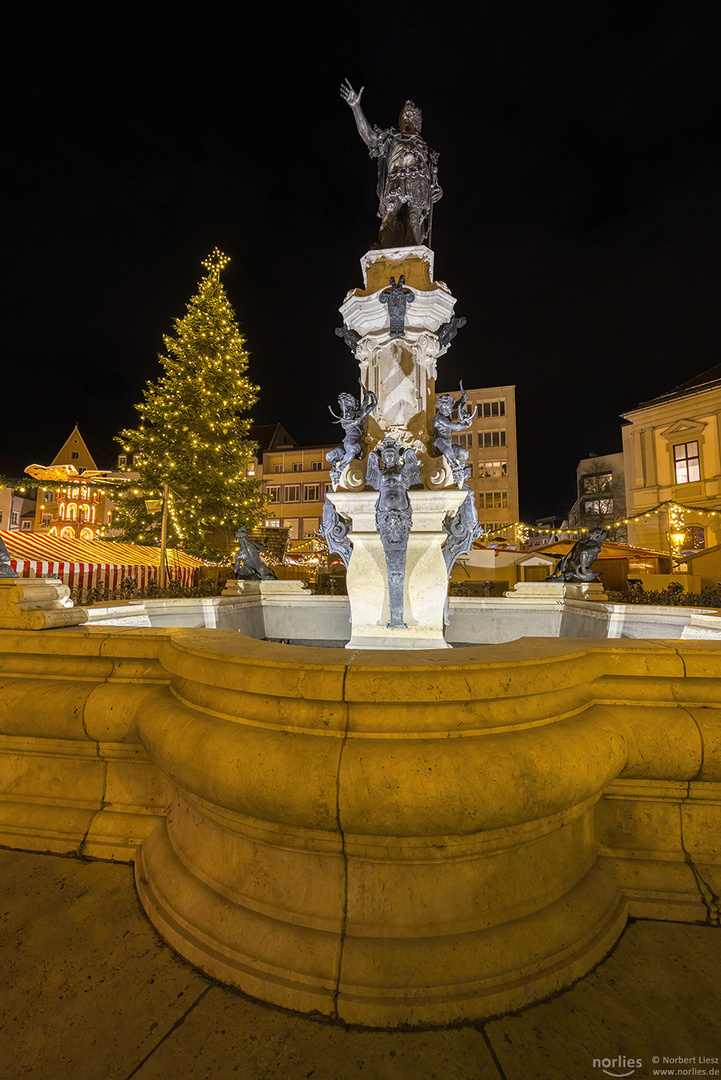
192	435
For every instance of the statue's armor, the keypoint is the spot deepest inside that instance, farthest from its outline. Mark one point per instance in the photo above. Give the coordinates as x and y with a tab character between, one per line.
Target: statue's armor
405	169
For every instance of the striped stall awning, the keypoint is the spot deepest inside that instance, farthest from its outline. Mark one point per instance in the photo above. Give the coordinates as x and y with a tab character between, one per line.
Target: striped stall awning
82	564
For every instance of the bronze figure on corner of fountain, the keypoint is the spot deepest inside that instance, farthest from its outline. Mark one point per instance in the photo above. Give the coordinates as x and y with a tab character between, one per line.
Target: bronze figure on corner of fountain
407	173
575	566
248	563
444	427
352	419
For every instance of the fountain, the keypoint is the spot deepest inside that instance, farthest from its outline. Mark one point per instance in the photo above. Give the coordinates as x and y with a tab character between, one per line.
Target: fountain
400	538
392	837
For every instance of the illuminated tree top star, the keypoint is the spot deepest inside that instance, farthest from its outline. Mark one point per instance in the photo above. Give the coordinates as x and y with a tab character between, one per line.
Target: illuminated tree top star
216	262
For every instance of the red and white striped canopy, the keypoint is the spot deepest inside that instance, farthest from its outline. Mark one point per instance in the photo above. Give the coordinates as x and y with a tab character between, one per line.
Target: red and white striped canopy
81	564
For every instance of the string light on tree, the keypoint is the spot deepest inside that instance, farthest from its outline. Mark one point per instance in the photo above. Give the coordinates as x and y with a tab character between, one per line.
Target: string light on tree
193	434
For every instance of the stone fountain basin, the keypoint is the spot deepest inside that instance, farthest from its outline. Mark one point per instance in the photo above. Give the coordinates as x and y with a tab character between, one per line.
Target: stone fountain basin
285	611
381	837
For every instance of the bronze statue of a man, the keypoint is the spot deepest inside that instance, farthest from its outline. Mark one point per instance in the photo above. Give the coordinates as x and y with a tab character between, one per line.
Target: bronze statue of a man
407	173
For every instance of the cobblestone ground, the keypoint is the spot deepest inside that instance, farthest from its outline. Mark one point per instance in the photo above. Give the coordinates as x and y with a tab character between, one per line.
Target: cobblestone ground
90	992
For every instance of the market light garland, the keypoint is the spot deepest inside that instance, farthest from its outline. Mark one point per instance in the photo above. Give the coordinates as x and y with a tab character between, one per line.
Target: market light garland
676	515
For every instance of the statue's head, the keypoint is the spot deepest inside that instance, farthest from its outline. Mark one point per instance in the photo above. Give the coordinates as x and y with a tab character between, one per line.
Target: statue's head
411	119
389	452
461	455
347	403
598	534
242	533
444	404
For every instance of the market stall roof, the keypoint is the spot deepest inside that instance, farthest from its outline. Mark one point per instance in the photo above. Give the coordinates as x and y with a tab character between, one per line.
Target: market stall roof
39	547
608	550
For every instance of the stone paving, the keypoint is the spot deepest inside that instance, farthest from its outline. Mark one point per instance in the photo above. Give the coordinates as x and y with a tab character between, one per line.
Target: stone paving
90	992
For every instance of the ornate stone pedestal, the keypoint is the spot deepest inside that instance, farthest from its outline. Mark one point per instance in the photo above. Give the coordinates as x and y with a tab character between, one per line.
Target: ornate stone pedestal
269	588
558	591
37	604
400	368
426	576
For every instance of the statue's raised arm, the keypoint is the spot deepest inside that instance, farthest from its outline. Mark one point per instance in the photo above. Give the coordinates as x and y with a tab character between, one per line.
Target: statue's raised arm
407	172
352	98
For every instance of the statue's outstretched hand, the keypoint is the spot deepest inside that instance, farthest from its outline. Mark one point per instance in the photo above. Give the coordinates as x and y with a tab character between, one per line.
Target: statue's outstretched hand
350	96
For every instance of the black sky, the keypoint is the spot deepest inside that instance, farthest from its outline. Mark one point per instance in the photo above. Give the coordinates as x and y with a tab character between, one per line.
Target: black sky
580	227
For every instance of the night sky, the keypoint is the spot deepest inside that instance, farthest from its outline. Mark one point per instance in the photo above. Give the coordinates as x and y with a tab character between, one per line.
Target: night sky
580	227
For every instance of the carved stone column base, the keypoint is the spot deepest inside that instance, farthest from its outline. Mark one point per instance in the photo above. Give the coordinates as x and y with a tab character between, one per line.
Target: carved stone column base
426	578
37	604
558	590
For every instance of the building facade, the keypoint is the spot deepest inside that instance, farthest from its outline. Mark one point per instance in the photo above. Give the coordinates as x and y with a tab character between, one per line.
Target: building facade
296	481
601	496
493	457
80	510
672	451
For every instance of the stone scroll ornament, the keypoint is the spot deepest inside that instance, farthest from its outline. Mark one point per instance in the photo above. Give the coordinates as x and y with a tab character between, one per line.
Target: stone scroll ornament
444	427
392	470
397	297
463	527
352	419
248	563
575	566
334	529
407	173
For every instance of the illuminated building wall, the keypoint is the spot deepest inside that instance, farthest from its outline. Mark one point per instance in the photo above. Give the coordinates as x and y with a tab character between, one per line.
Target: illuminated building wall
78	511
672	451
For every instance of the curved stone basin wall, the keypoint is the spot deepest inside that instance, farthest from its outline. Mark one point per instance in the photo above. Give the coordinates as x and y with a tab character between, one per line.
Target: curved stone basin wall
388	838
284	611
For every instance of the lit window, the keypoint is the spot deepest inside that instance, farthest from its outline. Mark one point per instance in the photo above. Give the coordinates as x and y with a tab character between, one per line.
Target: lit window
686	462
598	506
489	469
596	483
273	494
272	523
72	512
694	538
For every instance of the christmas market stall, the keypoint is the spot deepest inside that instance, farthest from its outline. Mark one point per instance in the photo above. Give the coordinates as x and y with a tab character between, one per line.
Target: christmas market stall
87	565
